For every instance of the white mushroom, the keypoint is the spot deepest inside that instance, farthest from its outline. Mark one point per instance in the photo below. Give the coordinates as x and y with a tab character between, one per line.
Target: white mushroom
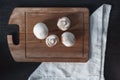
52	40
63	23
40	30
68	39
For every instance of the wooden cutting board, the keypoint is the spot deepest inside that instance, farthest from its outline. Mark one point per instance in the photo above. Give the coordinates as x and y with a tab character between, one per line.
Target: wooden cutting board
30	49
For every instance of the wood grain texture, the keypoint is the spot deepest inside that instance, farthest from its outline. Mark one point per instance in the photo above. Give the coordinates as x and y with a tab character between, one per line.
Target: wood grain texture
31	49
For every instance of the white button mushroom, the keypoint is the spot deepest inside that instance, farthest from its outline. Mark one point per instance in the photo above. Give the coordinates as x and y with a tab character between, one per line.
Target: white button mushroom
68	39
63	23
52	40
40	30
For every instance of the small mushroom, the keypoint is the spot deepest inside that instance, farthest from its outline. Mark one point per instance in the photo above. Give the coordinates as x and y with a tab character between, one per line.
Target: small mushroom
63	23
68	39
52	40
40	30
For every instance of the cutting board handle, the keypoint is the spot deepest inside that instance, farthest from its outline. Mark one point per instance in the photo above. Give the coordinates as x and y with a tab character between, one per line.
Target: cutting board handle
11	30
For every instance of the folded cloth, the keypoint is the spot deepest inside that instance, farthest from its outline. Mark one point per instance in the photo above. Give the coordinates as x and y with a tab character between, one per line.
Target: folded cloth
91	70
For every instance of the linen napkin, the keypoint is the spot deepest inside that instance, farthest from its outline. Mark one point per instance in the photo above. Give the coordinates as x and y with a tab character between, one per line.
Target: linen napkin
91	70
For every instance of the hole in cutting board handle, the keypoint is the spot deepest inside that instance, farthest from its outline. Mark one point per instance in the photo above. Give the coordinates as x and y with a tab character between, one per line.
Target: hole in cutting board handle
14	31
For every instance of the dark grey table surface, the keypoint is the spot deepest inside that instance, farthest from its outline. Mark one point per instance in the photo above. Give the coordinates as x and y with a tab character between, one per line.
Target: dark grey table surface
10	70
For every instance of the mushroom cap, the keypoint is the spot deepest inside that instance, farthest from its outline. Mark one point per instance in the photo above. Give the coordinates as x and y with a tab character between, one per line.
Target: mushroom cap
40	30
52	40
68	39
63	23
